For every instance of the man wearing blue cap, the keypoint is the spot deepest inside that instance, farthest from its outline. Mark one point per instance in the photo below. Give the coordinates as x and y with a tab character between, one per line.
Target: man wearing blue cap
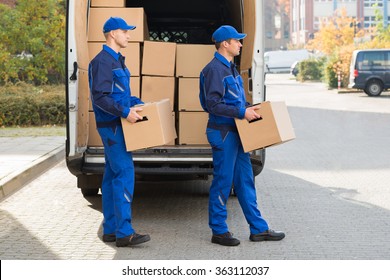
109	82
223	97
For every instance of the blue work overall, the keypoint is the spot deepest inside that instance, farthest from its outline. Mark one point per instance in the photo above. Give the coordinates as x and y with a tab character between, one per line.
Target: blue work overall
109	81
223	97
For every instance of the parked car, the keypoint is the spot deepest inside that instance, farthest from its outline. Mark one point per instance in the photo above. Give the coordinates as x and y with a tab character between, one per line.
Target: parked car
370	71
281	61
295	68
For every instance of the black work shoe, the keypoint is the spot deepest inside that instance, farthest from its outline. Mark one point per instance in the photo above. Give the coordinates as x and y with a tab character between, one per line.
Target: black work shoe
268	235
131	240
109	237
225	239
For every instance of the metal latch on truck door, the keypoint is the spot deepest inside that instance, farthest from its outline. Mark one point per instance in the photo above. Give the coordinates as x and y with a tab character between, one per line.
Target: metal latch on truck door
73	77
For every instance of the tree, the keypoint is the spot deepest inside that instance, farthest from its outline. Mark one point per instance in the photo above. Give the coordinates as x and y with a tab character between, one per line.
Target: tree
33	35
334	34
383	32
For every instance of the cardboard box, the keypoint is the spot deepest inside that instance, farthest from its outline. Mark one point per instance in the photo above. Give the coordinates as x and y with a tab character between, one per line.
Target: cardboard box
159	58
191	59
108	3
132	16
135	87
188	96
274	128
156	129
157	88
132	53
94	139
192	128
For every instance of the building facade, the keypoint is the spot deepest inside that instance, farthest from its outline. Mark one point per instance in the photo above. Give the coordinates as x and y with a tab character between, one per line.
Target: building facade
306	15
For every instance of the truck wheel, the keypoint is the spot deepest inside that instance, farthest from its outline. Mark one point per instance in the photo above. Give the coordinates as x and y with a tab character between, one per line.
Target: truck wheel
258	163
374	88
89	191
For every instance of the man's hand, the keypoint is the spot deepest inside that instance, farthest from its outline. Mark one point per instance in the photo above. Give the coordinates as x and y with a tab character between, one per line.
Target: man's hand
133	115
250	113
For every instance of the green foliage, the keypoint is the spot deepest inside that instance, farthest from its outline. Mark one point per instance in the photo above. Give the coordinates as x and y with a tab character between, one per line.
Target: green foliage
24	105
330	73
337	40
310	70
383	32
35	28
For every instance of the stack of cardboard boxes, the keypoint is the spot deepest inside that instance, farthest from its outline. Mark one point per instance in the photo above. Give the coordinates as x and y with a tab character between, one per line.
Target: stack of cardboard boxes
100	11
190	60
159	70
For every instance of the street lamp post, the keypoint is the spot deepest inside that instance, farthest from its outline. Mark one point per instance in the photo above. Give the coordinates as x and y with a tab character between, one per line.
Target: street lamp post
355	25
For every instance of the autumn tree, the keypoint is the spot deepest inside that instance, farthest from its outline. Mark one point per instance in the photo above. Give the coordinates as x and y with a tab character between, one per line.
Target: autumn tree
335	33
32	36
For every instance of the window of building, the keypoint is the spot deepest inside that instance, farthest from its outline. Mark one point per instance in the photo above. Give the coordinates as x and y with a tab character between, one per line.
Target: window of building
371	3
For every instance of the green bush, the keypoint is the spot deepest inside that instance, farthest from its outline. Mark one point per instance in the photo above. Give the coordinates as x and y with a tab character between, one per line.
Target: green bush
24	105
330	73
310	70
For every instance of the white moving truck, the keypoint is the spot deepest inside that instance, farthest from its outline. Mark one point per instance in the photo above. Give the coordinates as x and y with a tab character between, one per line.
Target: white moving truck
186	23
281	61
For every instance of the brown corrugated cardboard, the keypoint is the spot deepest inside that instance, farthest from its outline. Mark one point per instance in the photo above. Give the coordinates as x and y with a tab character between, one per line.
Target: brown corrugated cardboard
132	54
159	58
192	128
155	130
108	3
191	59
132	16
94	139
188	96
157	88
135	87
274	128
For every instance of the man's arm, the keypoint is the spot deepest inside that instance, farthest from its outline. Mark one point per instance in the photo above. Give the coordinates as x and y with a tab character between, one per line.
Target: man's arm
214	97
100	75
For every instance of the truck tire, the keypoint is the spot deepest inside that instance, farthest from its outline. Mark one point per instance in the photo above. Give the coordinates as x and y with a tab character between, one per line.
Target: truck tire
89	191
374	87
258	163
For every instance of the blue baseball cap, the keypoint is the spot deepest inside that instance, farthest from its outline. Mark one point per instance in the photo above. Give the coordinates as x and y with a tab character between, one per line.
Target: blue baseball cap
226	32
114	23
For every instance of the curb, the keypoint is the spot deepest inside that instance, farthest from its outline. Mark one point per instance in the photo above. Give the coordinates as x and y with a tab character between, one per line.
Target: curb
17	179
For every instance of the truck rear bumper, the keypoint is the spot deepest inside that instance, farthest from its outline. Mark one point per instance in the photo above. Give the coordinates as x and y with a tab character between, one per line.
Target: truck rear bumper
158	161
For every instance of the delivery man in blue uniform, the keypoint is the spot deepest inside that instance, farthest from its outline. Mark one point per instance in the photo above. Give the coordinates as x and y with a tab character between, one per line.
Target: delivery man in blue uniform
223	97
109	81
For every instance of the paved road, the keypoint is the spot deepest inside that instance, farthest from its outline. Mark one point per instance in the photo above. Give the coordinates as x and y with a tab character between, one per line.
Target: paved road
328	190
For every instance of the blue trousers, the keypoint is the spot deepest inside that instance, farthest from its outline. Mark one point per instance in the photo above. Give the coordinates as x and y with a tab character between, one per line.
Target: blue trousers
232	166
118	183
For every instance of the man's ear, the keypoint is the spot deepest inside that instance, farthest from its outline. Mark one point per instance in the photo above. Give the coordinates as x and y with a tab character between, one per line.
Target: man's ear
112	34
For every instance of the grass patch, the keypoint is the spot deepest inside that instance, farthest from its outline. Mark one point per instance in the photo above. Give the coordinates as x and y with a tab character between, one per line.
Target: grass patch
33	131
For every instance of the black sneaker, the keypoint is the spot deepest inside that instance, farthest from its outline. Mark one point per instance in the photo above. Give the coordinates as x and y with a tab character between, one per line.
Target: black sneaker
109	237
268	235
225	239
131	240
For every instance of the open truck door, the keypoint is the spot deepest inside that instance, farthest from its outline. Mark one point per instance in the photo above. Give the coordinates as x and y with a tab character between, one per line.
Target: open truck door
252	64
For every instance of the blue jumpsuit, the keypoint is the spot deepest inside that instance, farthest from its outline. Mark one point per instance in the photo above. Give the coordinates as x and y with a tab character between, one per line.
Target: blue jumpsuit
223	97
109	82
